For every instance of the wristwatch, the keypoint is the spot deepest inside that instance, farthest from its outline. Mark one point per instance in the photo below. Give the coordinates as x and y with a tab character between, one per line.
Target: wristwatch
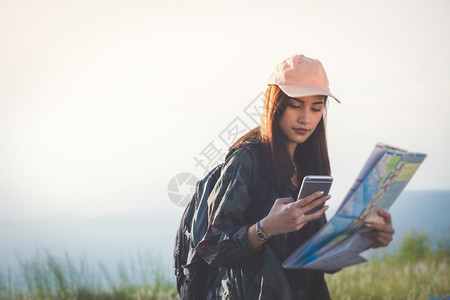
261	235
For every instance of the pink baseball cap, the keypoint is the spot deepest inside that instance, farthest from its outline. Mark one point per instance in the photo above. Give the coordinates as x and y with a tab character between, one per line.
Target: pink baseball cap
299	76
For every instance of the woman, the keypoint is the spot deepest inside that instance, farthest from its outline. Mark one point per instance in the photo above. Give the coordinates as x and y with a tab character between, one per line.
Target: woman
249	236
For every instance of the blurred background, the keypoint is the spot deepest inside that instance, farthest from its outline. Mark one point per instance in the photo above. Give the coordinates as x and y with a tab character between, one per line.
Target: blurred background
111	110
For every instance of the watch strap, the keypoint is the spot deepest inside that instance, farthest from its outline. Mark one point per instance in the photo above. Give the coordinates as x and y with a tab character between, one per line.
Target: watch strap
261	235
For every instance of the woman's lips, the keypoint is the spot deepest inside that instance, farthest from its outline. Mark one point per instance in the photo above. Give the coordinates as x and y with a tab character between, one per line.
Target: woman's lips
301	131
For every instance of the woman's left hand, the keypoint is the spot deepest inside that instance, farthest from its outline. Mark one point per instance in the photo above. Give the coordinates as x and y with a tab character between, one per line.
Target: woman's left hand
382	231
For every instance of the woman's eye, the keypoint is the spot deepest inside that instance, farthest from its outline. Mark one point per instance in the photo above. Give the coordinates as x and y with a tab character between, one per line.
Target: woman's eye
316	109
294	106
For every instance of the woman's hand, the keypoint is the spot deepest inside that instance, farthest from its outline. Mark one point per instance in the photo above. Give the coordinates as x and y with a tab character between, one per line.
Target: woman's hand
287	216
382	233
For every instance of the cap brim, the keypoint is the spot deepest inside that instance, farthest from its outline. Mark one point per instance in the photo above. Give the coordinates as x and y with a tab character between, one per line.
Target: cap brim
303	91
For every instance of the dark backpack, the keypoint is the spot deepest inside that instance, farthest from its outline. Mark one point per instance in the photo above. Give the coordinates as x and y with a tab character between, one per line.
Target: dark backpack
195	277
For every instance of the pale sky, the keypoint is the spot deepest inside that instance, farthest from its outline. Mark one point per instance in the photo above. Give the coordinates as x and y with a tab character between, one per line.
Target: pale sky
102	103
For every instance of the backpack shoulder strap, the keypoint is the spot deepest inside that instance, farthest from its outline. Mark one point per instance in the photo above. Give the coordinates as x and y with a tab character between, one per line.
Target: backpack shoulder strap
199	221
259	187
254	149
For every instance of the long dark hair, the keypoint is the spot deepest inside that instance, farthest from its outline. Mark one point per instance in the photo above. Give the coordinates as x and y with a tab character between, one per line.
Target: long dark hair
310	157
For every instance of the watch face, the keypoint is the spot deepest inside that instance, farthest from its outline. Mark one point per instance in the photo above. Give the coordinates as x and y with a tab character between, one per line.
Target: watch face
261	236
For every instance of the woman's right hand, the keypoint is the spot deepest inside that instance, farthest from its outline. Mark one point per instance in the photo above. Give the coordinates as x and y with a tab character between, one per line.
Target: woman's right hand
287	216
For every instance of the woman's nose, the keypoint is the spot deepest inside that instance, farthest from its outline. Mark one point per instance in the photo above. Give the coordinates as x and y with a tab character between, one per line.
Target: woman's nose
304	117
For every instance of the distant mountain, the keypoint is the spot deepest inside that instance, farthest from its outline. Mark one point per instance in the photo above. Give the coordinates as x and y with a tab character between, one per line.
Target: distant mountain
114	238
107	239
426	211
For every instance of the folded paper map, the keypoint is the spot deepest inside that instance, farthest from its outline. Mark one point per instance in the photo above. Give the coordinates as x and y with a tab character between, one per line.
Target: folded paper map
339	242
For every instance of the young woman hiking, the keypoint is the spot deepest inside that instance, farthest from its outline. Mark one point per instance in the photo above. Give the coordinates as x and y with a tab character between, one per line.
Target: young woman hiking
249	237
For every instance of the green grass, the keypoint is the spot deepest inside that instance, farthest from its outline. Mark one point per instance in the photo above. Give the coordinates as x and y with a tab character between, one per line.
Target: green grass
46	276
414	270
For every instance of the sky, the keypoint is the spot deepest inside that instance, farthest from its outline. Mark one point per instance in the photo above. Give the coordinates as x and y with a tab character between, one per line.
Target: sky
104	103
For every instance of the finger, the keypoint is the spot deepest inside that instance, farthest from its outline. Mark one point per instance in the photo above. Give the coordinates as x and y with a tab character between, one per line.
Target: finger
370	235
380	227
380	235
300	222
375	245
382	238
385	237
315	203
285	200
304	201
383	242
316	214
386	216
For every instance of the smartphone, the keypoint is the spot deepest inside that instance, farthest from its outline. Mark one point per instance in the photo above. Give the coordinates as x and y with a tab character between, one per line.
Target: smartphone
312	184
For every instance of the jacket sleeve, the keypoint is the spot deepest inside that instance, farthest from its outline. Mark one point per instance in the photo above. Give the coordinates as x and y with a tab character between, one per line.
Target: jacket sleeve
225	241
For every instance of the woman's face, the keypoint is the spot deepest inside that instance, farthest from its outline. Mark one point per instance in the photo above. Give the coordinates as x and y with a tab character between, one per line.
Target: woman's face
300	118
